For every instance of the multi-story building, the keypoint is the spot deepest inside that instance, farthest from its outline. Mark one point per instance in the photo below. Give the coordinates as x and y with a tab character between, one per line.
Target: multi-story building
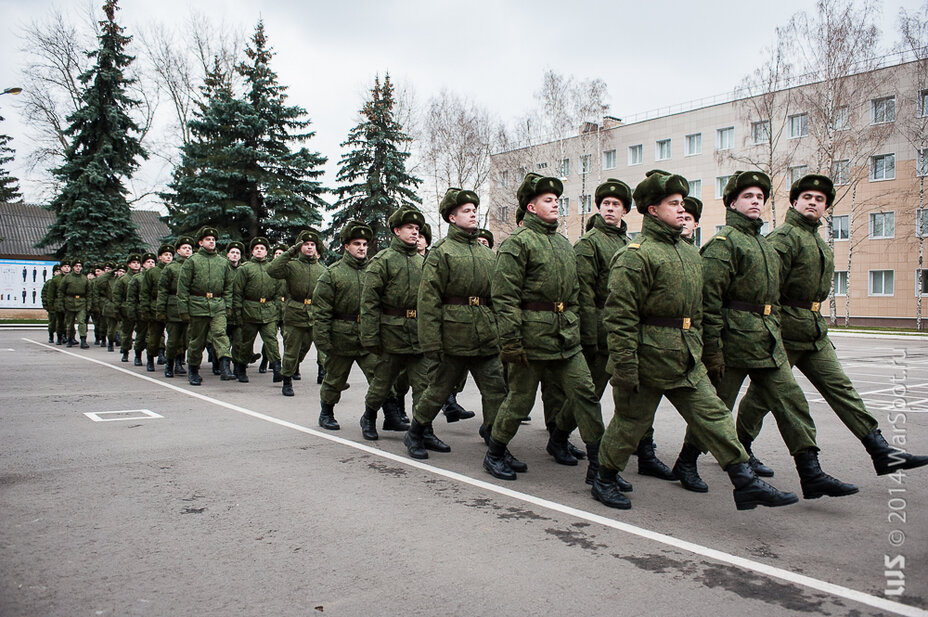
868	131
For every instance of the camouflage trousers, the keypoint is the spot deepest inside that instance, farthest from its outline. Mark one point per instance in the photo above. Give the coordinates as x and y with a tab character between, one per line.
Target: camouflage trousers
154	340
337	370
125	334
707	419
823	369
177	338
245	348
448	374
389	367
200	329
72	318
297	341
141	336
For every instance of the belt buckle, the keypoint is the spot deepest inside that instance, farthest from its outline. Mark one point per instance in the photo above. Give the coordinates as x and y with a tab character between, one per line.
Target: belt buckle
262	300
358	318
558	307
815	306
410	313
473	301
283	299
209	294
687	322
767	309
307	301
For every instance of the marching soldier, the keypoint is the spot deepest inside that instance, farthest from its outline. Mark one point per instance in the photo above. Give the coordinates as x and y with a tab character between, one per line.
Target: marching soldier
166	309
457	326
49	298
96	305
742	338
299	266
204	298
73	299
692	212
134	304
336	320
806	273
535	294
121	298
254	307
281	299
653	322
148	300
112	309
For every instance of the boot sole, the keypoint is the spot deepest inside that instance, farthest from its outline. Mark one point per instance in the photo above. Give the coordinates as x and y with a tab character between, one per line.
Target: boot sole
421	456
570	462
616	506
750	505
495	475
817	495
659	475
888	470
331	428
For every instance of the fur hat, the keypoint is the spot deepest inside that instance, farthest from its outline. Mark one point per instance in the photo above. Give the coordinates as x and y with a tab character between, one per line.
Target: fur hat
165	248
455	198
259	240
487	234
206	230
813	182
656	186
405	215
185	240
614	188
311	235
694	206
741	180
534	185
235	244
355	230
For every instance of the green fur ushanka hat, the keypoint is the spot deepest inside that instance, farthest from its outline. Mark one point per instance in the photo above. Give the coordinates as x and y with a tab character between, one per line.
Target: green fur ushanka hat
133	257
426	232
259	240
693	206
455	198
487	234
656	186
165	248
813	182
235	245
534	185
355	230
185	240
206	230
741	180
614	188
148	256
405	215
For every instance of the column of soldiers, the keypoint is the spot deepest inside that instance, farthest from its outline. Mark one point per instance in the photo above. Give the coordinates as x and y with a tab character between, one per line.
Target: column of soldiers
654	317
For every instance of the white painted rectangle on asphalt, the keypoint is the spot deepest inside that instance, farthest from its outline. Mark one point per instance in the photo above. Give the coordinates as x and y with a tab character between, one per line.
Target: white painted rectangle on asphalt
125	414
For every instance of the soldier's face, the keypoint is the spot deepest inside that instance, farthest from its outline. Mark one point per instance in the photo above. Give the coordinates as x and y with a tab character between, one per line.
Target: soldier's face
465	217
811	204
78	268
134	266
65	269
259	251
408	233
278	253
669	211
97	272
234	255
166	258
750	202
612	211
483	241
421	245
357	248
689	225
308	248
149	264
185	250
209	243
108	269
545	207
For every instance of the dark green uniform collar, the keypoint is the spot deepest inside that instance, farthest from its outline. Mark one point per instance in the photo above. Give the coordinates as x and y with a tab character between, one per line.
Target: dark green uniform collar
742	223
534	222
354	262
794	218
256	260
307	259
459	235
616	230
656	228
202	251
401	247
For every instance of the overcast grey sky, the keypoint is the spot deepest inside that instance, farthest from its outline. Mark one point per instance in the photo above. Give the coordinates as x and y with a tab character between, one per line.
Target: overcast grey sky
650	54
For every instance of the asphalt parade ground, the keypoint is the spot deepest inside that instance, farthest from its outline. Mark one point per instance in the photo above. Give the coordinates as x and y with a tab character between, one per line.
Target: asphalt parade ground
125	493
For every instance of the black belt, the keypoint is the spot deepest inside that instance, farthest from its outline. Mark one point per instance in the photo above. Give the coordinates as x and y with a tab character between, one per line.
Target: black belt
551	307
467	301
261	300
812	306
347	317
681	323
208	294
407	313
306	301
760	309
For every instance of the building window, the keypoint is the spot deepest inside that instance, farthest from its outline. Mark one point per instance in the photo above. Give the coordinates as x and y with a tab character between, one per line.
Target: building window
662	150
542	165
921	278
883	167
841	120
840	227
720	183
564	168
923	103
799	125
586	164
504	177
921	223
563	206
881	282
697	237
635	156
882	225
725	138
719	228
797	172
760	132
841	172
840	282
695	188
921	165
609	159
586	204
765	228
693	144
883	110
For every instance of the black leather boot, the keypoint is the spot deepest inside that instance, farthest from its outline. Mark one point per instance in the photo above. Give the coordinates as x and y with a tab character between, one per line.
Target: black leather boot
51	339
649	464
414	440
110	347
287	388
275	368
84	344
396	405
327	417
58	339
193	375
592	452
240	372
686	471
578	453
606	491
118	339
454	412
369	424
161	359
515	464
262	368
557	447
392	421
225	371
432	442
750	491
150	366
179	366
320	373
71	342
887	459
125	357
815	482
169	368
495	461
296	374
759	468
138	359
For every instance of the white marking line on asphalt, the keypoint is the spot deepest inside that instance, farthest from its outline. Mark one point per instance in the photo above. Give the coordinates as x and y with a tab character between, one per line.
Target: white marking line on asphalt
711	553
125	414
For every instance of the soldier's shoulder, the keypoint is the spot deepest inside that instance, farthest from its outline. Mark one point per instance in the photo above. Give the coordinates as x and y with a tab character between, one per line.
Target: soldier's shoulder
719	244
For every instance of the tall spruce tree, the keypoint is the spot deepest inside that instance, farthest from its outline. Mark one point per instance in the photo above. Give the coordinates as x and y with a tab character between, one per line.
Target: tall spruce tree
239	173
9	185
93	218
372	175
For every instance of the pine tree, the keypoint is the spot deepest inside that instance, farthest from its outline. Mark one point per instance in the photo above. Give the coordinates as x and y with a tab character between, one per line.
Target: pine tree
93	218
372	175
9	185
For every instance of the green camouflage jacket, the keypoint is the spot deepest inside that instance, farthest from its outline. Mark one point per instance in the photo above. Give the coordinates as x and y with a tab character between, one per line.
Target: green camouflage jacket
536	265
807	267
50	293
73	293
739	265
204	287
658	275
131	308
98	292
112	303
457	268
120	290
391	282
301	274
254	293
337	308
595	250
166	302
148	291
